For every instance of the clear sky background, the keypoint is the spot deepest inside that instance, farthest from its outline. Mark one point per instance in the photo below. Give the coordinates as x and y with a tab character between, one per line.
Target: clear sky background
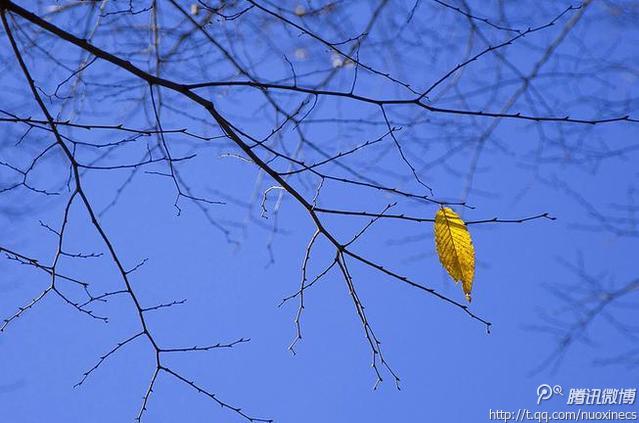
451	370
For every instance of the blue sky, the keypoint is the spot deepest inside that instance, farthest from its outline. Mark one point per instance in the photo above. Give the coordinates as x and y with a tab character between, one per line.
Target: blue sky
451	370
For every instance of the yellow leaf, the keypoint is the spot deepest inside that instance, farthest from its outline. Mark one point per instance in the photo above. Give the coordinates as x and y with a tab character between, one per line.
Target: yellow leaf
455	248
